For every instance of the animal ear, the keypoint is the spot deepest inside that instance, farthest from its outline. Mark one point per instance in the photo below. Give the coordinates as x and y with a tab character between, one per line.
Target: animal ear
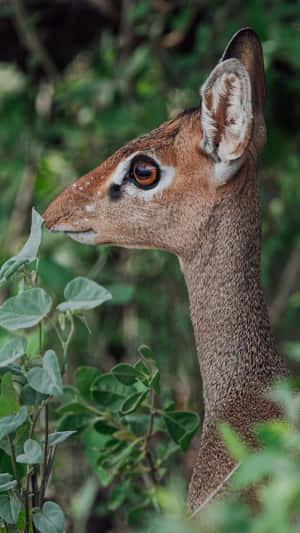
245	46
226	114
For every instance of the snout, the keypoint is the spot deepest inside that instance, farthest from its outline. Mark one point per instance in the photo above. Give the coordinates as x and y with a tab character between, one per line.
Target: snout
74	212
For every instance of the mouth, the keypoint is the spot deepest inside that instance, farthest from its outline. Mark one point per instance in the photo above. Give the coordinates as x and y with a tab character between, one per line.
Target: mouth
84	237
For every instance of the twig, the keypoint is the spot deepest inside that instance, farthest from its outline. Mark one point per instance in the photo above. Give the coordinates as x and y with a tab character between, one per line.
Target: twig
6	527
35	419
50	465
13	461
45	464
287	283
66	344
147	438
35	491
214	492
31	40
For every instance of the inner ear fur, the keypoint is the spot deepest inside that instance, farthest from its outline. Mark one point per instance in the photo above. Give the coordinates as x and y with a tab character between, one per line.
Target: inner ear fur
226	112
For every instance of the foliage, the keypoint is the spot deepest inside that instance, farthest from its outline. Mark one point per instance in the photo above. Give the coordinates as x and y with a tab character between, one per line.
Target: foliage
124	79
274	471
126	433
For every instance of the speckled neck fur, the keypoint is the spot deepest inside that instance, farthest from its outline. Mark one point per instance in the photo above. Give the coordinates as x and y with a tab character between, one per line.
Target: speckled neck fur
236	349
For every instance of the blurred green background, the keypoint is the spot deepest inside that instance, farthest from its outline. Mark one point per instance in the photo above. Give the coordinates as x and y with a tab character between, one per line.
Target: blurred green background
80	78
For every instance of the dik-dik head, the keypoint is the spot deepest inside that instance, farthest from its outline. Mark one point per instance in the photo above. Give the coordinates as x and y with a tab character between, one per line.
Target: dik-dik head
159	190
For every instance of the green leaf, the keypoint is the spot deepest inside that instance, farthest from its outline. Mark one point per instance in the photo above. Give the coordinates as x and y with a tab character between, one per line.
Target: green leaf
12	350
8	399
133	402
77	421
10	423
94	443
47	380
104	428
233	441
29	396
119	495
109	392
72	407
83	294
124	434
84	377
28	254
6	482
125	373
141	367
120	459
145	351
59	436
155	382
32	453
10	507
25	310
181	426
257	466
50	519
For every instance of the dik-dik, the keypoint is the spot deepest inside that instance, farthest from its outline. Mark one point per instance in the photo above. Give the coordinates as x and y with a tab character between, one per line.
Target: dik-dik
190	187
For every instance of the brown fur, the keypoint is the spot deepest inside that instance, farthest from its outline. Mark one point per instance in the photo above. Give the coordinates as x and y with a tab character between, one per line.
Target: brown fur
214	229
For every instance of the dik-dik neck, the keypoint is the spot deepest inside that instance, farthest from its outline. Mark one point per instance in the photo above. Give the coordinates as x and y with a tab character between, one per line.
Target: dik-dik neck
235	346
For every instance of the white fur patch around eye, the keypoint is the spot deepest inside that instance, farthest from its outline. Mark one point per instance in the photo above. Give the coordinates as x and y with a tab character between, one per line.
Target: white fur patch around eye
226	111
167	174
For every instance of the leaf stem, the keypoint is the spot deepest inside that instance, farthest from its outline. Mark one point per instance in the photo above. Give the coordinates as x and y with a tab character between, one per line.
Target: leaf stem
148	435
40	337
45	463
13	461
66	343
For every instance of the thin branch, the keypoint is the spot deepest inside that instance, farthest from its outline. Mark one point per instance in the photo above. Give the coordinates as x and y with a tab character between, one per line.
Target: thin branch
31	40
13	461
45	464
50	465
287	282
149	458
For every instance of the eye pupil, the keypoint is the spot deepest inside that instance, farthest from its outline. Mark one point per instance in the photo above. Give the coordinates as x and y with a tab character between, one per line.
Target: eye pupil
145	172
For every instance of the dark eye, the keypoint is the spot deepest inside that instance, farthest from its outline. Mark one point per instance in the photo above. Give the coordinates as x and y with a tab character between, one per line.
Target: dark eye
145	172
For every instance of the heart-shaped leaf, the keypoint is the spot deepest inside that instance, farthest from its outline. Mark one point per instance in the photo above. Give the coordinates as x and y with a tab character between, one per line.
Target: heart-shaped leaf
181	426
32	453
28	254
6	482
47	380
125	373
25	310
10	507
108	392
83	294
29	396
10	423
12	350
59	436
133	402
50	519
84	377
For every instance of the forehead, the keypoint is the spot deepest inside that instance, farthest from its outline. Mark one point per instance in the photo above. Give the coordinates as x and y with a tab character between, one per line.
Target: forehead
157	139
